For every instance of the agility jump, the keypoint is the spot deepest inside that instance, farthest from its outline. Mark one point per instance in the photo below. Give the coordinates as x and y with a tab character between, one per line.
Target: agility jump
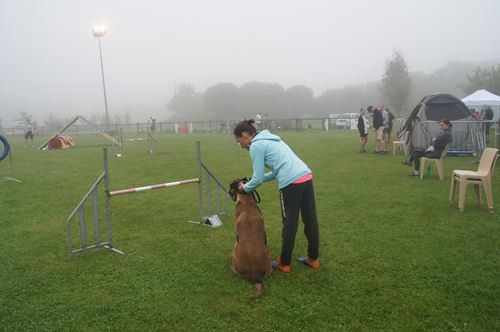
205	209
150	140
6	147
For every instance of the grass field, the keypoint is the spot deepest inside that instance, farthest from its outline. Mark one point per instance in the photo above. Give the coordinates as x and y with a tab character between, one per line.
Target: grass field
395	254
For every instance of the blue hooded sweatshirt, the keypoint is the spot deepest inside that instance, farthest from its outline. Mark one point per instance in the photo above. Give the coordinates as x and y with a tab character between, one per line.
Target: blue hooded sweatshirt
268	150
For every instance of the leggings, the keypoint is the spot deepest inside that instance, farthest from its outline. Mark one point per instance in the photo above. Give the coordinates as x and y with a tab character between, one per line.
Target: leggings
297	198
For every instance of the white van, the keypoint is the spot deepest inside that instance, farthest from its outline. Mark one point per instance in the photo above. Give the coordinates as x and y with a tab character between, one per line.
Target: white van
344	120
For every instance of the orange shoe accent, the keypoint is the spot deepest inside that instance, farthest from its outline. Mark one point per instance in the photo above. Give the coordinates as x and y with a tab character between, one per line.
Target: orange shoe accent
312	263
283	268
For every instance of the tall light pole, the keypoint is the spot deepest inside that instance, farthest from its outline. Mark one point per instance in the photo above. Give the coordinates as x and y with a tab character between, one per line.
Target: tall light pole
99	31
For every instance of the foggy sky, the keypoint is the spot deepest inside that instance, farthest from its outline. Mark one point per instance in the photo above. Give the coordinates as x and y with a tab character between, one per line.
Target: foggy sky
49	61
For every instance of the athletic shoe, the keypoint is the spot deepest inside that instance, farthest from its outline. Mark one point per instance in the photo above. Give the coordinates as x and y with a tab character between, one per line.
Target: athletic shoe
314	263
414	173
283	268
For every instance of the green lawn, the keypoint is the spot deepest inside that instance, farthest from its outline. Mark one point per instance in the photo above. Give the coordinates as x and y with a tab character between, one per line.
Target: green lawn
395	255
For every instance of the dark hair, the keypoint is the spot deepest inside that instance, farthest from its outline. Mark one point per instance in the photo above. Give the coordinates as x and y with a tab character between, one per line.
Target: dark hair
446	122
245	125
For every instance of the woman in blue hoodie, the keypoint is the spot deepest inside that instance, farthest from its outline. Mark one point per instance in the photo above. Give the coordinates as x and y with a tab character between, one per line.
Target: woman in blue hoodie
294	180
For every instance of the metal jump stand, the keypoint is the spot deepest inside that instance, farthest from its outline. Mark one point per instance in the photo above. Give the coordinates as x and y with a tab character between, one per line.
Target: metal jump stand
79	210
117	148
151	142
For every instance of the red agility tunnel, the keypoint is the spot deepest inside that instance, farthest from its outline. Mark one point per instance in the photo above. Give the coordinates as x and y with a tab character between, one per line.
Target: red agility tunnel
60	142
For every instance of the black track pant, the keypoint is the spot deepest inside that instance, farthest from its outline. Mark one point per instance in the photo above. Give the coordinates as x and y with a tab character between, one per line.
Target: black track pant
297	198
417	154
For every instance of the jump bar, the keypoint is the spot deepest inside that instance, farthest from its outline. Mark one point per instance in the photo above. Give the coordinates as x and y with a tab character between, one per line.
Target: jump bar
154	186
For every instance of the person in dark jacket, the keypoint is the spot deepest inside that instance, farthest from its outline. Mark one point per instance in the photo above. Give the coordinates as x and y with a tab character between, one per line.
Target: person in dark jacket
435	149
388	127
363	130
378	125
488	116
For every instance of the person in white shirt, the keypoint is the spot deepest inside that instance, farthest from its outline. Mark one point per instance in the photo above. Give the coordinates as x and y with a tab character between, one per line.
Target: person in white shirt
28	134
258	121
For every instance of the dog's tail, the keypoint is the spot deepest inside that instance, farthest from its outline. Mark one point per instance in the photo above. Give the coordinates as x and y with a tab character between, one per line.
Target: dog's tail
260	290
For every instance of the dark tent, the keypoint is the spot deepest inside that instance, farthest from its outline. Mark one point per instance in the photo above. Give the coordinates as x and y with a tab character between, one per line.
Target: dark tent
422	124
440	106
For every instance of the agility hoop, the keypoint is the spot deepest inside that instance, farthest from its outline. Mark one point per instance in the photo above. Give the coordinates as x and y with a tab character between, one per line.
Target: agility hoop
6	147
152	187
7	152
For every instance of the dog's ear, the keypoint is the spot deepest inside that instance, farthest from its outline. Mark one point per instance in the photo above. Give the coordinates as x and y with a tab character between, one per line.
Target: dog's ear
233	189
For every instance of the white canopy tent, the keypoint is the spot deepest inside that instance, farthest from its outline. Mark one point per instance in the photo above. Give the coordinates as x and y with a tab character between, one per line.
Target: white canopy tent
484	97
481	98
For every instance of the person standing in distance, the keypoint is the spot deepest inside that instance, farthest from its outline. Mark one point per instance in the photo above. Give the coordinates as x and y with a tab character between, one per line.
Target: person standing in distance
294	180
378	125
488	116
28	133
363	129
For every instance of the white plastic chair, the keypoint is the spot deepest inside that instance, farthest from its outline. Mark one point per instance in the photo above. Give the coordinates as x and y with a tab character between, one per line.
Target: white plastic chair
439	164
401	144
482	177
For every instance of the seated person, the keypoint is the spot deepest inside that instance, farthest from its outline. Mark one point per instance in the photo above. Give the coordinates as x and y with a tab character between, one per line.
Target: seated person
434	151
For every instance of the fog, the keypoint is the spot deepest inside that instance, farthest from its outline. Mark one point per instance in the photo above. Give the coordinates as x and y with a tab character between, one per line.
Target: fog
49	60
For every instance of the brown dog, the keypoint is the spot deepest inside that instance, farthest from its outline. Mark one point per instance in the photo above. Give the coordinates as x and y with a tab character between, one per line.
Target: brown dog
251	255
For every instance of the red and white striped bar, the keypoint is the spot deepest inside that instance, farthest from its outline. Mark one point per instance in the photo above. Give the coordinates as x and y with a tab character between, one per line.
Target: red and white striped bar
154	186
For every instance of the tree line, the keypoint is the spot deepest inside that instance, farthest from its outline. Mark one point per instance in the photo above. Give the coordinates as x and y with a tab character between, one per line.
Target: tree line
398	89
